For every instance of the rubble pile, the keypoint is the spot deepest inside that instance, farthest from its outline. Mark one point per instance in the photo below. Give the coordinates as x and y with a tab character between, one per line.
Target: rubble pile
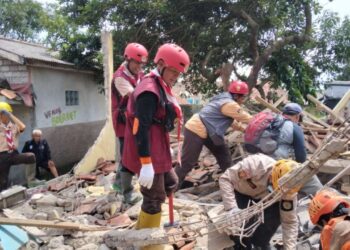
86	213
87	201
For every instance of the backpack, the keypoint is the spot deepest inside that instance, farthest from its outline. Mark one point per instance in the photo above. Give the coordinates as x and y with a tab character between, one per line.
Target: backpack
262	133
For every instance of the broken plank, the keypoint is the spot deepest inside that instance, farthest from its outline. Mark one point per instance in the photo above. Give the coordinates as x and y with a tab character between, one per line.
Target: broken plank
50	224
319	130
279	101
315	119
214	195
15	215
325	108
268	105
316	140
199	189
342	103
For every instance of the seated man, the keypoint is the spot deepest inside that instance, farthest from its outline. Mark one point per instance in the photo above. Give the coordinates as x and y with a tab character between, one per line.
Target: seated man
42	152
10	129
249	180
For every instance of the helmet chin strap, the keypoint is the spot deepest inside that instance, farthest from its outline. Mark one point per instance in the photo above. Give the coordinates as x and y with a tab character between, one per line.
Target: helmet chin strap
128	67
162	71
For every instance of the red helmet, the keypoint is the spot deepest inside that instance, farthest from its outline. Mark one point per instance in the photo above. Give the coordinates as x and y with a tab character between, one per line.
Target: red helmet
136	52
173	56
237	87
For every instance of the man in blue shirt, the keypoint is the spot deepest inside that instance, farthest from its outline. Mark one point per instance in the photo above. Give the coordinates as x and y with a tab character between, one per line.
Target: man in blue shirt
41	149
291	143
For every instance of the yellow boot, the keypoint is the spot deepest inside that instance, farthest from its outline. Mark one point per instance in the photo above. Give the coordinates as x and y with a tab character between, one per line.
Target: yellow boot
146	220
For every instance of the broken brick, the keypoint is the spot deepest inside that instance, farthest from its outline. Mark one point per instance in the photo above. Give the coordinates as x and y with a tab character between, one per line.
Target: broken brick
120	221
85	208
177	237
87	177
58	186
108	168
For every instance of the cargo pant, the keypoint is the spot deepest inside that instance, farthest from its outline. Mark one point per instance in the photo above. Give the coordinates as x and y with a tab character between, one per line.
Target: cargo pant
119	165
14	158
191	149
263	234
163	185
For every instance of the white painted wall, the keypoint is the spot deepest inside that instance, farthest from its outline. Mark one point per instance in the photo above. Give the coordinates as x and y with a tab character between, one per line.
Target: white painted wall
50	86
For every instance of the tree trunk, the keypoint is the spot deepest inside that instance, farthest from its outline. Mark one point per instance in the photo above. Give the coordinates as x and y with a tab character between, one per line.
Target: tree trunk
225	74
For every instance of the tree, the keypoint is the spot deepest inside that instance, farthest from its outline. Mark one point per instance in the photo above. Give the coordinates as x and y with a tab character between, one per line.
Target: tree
332	56
21	19
219	35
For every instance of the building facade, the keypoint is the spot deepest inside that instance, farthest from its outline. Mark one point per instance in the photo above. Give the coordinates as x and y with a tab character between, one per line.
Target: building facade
54	96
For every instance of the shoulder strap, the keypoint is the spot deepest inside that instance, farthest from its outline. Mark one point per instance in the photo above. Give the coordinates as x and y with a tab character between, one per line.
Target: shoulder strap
163	100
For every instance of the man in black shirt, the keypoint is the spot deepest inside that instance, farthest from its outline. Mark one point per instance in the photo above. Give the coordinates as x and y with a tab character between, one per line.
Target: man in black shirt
42	152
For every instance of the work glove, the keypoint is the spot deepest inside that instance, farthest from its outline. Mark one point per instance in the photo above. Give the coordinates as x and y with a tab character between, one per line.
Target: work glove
234	210
232	220
146	175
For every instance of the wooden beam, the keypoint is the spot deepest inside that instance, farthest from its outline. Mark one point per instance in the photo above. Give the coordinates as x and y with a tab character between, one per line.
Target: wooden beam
315	119
325	108
342	103
268	105
279	101
50	224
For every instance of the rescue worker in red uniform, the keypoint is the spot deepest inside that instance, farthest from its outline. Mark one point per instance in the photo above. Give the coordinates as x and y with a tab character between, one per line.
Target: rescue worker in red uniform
151	113
123	84
330	210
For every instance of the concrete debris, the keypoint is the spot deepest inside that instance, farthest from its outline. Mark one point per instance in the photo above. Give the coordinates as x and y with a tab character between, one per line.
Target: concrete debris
136	238
120	221
56	243
41	216
89	200
89	246
103	247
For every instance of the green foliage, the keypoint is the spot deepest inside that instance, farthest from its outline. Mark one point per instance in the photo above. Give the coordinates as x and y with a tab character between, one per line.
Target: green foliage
212	31
288	69
332	56
21	19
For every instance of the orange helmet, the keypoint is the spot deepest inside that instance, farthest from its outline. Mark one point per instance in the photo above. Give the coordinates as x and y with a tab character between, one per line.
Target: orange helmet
325	202
173	56
136	52
237	87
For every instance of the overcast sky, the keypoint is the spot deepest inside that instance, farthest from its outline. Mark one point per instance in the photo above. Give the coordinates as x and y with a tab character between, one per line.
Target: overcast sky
340	6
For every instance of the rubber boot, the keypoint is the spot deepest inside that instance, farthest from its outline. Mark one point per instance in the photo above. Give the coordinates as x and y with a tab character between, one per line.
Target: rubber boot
30	171
117	186
146	220
130	197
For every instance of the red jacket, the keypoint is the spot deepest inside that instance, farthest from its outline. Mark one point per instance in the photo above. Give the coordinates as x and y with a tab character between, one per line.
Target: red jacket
158	136
118	101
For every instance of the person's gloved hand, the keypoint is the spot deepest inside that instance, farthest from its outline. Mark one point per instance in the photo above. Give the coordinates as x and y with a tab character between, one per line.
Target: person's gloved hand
232	221
234	210
146	175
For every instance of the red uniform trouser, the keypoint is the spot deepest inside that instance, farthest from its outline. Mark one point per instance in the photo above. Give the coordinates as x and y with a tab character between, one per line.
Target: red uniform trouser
9	159
191	149
163	185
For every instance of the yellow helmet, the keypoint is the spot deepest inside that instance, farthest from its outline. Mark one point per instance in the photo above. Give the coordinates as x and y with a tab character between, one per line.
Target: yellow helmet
5	106
281	168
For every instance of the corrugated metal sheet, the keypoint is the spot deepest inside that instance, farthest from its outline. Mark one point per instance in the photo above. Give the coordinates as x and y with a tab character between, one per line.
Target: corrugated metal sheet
340	83
29	51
